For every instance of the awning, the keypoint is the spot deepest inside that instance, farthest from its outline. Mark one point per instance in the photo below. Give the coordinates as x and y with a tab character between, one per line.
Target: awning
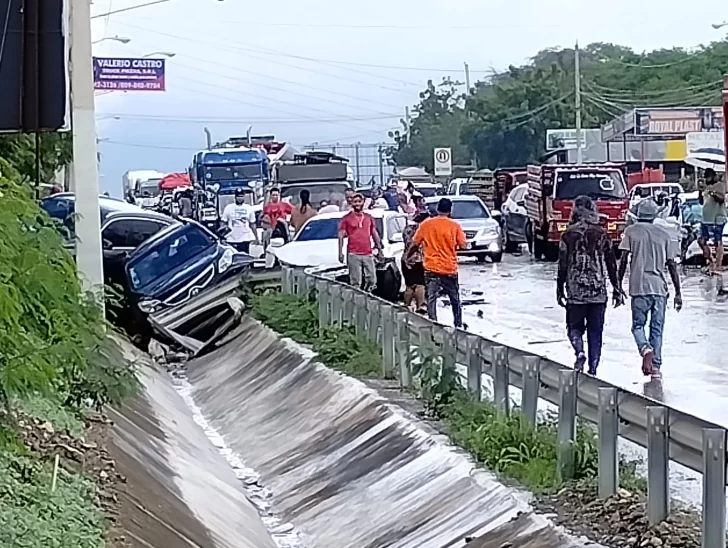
175	180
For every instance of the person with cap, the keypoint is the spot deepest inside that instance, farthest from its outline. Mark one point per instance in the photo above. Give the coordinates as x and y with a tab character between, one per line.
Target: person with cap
240	219
441	238
585	251
648	249
712	196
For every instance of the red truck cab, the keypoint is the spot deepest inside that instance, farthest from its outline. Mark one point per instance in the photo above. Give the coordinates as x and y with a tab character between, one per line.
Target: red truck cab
550	201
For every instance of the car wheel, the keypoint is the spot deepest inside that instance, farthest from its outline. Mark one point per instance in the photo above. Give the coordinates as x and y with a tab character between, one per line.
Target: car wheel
496	257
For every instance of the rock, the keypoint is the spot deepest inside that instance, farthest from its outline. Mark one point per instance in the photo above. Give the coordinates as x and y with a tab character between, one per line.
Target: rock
47	427
624	494
656	541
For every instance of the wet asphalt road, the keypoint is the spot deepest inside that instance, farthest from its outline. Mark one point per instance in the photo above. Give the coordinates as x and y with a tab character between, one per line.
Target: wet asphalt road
520	310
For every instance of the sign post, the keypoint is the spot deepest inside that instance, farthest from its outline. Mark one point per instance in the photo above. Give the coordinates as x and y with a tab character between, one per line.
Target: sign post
725	113
443	162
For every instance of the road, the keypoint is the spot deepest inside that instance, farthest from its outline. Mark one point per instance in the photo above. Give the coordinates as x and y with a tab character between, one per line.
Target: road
519	309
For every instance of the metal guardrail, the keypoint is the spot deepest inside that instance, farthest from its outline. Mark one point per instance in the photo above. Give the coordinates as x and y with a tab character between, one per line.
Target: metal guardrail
666	433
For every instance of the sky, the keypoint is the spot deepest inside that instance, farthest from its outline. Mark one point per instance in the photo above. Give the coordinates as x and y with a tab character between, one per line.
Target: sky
326	71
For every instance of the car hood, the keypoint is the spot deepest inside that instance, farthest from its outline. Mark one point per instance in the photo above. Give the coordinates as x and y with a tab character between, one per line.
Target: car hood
477	224
176	285
313	253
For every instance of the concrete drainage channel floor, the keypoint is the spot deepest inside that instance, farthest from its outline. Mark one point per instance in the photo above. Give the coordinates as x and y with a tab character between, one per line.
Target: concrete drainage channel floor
342	467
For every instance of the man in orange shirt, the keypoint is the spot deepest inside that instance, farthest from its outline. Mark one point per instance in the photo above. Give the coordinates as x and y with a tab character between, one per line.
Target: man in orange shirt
440	238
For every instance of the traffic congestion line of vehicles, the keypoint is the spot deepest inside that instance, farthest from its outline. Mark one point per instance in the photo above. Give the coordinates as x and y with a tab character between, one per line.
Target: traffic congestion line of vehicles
166	242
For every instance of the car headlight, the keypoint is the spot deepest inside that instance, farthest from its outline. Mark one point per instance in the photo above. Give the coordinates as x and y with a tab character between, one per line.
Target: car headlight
148	306
491	231
225	261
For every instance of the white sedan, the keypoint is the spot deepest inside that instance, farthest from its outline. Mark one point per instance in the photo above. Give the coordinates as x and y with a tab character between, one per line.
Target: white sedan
316	244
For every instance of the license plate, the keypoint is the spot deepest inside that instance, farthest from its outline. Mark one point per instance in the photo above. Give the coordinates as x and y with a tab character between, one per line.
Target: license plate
469	245
612	226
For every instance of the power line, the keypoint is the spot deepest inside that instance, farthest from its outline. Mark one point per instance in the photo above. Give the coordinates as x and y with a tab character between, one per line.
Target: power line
653	93
654	66
219	120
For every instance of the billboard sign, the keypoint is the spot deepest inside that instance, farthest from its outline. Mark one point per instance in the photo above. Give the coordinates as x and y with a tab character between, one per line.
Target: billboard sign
615	129
702	140
562	138
678	121
34	75
125	74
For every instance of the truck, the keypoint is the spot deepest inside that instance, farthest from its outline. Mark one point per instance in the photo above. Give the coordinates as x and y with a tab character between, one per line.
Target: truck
324	174
552	189
217	174
142	186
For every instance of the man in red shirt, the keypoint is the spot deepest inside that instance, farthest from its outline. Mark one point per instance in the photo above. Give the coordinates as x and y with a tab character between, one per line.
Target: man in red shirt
360	231
274	212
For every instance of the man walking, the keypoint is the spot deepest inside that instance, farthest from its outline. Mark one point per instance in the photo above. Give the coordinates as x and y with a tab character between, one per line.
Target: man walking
648	249
712	196
358	228
585	251
240	218
440	238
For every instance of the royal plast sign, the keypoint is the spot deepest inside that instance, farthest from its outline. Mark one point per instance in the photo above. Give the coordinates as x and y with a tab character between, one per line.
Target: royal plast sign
126	74
678	121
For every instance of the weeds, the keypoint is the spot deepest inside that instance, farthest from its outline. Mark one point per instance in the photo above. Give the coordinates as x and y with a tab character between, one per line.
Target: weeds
339	348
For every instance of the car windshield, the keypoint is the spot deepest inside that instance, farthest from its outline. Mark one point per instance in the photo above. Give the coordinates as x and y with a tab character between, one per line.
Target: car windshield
326	229
150	187
243	172
427	191
463	209
597	184
692	212
331	193
169	253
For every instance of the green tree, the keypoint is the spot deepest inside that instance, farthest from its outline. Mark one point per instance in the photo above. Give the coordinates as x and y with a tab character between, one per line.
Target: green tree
19	151
509	112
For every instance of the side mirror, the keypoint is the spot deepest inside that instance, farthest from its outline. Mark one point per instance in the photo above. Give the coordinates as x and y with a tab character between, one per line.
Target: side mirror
396	238
276	242
521	203
107	245
223	231
496	213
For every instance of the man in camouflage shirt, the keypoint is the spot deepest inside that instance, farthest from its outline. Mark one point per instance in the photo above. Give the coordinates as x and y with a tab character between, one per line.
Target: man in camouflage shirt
585	252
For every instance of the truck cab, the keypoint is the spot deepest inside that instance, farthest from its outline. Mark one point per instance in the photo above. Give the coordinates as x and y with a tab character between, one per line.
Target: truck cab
323	174
551	194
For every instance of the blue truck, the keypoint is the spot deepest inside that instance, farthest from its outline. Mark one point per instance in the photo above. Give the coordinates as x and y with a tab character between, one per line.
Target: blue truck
218	173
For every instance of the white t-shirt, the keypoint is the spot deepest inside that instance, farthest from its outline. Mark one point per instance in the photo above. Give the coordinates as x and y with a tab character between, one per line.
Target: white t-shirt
239	219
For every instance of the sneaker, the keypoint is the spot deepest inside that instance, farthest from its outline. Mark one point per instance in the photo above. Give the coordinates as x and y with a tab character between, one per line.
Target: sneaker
592	371
580	361
648	356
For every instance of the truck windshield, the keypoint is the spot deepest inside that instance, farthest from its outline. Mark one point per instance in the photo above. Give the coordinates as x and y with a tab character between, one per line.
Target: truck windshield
231	156
245	172
168	253
150	187
597	184
331	193
326	229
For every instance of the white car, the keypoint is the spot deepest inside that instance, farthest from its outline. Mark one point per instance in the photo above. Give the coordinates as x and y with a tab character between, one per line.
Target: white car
482	230
515	219
317	244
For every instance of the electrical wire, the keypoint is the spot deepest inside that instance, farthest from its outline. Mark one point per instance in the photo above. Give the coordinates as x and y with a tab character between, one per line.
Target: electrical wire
654	66
651	93
220	120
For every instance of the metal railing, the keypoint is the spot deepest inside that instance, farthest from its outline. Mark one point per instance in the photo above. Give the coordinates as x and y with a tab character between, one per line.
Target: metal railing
666	433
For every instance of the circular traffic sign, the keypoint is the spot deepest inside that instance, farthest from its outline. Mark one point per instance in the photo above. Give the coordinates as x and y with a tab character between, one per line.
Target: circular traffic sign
443	156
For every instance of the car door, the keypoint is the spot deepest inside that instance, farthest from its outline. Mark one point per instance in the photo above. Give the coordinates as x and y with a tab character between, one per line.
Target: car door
394	244
121	236
515	208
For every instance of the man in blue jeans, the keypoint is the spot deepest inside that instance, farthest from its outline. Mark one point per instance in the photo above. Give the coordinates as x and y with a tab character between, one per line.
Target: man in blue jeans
649	250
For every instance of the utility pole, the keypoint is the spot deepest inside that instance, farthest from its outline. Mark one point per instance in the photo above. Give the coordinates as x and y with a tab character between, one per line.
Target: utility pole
85	174
474	159
408	122
577	102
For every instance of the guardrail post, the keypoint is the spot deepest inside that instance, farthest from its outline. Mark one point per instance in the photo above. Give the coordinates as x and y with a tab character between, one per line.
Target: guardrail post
402	348
714	461
566	431
300	285
373	320
286	279
449	349
347	311
424	345
335	292
388	341
531	385
475	367
658	459
608	428
501	397
322	287
360	314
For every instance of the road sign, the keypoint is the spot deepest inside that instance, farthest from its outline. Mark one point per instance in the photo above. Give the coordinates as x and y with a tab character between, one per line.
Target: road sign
443	162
